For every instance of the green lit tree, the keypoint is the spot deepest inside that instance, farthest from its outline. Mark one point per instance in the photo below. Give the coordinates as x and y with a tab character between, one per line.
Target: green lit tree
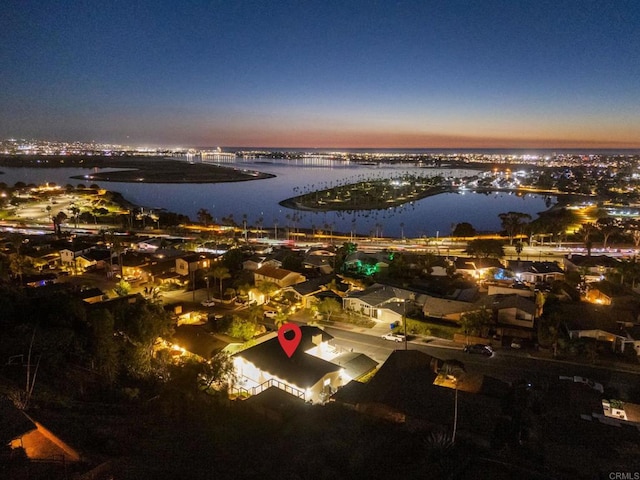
122	288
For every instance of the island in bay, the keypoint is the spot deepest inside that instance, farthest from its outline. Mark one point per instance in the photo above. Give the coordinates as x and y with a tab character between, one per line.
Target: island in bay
369	194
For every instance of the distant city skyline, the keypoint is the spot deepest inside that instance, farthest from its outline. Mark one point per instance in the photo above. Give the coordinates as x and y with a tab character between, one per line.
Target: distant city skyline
323	74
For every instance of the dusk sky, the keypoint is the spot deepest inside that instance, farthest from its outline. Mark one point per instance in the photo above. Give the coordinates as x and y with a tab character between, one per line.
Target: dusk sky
395	74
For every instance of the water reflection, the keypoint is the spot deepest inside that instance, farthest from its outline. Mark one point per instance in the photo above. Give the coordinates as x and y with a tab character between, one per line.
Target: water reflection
259	199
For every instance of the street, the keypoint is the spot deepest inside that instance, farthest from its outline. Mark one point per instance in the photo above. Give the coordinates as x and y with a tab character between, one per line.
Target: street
506	364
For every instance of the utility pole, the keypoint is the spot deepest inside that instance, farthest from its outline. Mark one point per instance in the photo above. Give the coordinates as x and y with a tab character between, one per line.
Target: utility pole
455	413
404	321
193	283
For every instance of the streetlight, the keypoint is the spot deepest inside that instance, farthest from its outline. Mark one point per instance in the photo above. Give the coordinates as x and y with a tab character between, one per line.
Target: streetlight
455	411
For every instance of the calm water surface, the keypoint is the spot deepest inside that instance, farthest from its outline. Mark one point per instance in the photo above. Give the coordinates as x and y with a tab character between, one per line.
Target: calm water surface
259	198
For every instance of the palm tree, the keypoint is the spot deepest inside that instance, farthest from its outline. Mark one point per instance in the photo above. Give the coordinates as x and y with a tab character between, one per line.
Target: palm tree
116	248
221	273
76	212
585	233
244	226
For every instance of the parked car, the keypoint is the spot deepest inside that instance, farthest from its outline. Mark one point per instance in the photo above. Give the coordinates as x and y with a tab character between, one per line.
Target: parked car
516	344
207	303
270	314
479	348
394	337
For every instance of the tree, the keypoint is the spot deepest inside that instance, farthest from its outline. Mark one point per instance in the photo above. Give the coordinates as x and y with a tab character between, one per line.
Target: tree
586	233
464	229
292	262
139	325
426	262
220	273
242	328
485	248
328	306
629	271
104	348
280	319
519	247
513	222
474	323
122	288
75	211
607	227
204	217
58	220
218	373
267	289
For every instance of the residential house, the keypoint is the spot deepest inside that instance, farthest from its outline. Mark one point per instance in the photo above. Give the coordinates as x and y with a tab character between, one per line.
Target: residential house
366	263
514	310
133	264
601	329
257	261
84	263
305	292
279	276
19	430
438	266
303	375
450	309
150	245
188	264
477	267
355	365
70	253
100	259
320	260
40	258
160	271
632	332
596	294
90	295
510	288
197	341
379	302
536	272
39	279
594	267
321	264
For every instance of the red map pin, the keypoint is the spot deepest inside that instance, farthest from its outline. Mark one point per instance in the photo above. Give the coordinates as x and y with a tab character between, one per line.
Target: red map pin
289	346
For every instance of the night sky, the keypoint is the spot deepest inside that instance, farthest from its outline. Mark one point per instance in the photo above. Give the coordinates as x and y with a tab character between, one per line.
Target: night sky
413	74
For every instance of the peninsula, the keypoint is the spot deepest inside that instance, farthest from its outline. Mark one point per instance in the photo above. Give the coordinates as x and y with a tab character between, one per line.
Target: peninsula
137	169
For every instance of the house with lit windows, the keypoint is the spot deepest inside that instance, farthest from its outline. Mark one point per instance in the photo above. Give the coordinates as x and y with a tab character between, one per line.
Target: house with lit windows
379	302
309	374
280	276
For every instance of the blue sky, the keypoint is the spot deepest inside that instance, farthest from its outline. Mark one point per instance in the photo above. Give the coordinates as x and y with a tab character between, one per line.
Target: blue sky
323	73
